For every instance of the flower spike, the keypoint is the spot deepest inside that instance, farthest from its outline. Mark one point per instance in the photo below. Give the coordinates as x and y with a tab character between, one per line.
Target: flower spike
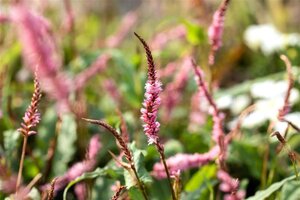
32	117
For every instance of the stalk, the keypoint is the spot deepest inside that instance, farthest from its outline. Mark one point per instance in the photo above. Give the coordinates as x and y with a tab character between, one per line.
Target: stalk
163	159
21	162
142	188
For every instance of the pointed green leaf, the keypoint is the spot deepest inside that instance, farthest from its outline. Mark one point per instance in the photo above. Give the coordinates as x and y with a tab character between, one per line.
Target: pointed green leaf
270	190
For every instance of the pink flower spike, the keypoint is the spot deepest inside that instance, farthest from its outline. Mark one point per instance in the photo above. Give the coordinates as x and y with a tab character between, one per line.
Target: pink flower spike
32	117
94	147
152	99
230	185
215	30
184	162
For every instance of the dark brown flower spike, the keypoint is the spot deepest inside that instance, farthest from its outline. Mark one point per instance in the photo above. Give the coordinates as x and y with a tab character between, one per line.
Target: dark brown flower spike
118	193
151	66
291	154
123	145
124	149
50	192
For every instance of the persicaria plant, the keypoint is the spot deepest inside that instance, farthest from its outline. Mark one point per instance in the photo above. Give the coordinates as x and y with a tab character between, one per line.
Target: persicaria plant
149	100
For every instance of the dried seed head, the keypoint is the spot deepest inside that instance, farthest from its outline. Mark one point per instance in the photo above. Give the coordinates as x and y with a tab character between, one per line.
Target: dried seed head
279	137
118	137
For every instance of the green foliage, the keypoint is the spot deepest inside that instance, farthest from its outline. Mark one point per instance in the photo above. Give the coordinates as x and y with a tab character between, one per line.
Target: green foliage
196	35
10	139
138	157
291	190
65	144
200	186
88	175
271	189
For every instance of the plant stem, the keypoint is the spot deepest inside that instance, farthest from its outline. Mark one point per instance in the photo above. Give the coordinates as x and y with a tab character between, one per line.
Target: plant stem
139	182
21	162
162	157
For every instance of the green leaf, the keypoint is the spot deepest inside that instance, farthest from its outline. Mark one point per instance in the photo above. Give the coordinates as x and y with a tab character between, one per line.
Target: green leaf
203	193
135	194
89	175
138	157
241	151
195	34
207	172
200	185
270	190
65	144
290	190
10	138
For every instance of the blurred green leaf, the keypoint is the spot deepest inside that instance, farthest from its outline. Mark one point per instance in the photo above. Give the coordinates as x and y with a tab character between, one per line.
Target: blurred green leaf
135	194
263	194
290	190
195	34
89	175
204	174
201	183
10	145
138	157
239	154
66	147
205	192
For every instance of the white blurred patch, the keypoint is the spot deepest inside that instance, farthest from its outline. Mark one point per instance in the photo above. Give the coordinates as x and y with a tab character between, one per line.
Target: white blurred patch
224	102
267	38
239	104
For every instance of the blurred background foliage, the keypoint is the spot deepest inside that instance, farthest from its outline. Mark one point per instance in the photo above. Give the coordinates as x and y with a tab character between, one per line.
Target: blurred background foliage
240	63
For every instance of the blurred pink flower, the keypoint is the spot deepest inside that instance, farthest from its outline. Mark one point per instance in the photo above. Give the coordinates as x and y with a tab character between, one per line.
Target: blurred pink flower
128	21
3	18
81	191
217	134
184	162
215	30
168	70
94	147
197	112
173	93
161	39
230	185
97	66
39	50
111	88
79	168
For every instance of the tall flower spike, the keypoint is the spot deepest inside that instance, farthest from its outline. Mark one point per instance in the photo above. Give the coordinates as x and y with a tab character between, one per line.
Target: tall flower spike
32	117
149	112
152	99
215	30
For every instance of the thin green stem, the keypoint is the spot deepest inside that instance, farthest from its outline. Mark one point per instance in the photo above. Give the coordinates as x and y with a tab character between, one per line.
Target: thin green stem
142	188
21	163
296	171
